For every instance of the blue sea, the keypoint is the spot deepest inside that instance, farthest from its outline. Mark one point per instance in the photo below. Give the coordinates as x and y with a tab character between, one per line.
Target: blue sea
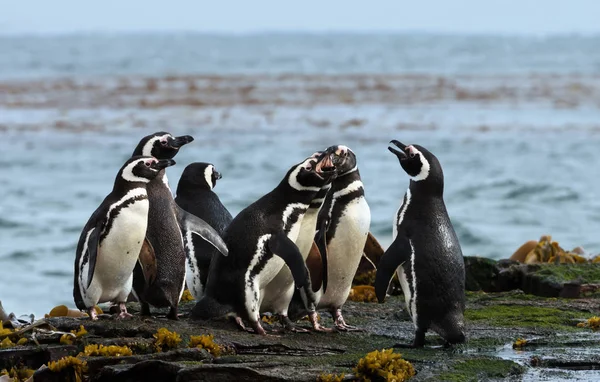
514	121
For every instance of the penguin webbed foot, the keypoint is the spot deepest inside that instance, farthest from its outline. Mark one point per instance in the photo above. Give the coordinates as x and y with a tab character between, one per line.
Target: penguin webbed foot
340	323
314	320
123	312
240	323
145	311
418	342
258	329
172	315
288	325
92	313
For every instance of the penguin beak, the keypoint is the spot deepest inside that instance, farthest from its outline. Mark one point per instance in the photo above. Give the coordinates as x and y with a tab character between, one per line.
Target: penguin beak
217	174
399	153
162	164
325	163
177	142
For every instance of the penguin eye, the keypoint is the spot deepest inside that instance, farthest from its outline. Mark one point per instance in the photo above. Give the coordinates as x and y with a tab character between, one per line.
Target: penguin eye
147	164
164	143
412	155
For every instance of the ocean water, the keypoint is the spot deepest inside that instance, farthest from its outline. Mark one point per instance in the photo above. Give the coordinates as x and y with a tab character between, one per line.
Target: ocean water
514	121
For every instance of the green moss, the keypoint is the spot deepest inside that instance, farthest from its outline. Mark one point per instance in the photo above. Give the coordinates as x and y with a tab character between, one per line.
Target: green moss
586	273
526	316
481	369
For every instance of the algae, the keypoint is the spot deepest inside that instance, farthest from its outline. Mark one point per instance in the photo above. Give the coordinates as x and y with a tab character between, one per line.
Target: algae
588	273
526	317
481	369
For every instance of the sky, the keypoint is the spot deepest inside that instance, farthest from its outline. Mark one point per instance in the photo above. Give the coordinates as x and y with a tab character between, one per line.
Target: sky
530	17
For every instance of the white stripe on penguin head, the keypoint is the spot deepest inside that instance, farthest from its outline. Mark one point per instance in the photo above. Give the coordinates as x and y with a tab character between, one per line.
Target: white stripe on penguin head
128	174
425	167
208	171
293	178
147	150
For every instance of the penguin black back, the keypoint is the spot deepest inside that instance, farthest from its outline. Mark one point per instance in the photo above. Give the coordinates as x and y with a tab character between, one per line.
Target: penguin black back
195	195
160	274
266	228
114	234
426	251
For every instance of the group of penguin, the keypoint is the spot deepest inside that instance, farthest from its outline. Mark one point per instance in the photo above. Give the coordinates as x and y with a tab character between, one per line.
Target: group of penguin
293	252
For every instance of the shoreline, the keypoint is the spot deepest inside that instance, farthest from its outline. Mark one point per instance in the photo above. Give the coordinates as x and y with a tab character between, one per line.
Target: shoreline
554	345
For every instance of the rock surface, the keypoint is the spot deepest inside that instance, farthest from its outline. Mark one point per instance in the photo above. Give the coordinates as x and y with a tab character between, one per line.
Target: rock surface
494	321
547	280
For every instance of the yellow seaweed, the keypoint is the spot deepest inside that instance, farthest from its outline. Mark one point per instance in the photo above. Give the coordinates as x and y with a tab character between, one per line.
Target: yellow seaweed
205	341
384	364
165	339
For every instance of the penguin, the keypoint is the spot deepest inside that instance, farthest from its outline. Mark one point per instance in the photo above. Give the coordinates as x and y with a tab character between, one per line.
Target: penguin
268	227
111	240
195	195
159	276
425	252
343	227
279	293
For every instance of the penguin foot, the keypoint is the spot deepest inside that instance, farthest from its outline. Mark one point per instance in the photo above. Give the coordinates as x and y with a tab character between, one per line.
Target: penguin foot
341	325
258	329
145	309
418	342
93	314
123	313
173	314
288	325
240	323
315	323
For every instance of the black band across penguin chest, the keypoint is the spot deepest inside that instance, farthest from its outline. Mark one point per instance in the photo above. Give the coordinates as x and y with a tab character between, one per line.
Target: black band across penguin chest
114	212
343	192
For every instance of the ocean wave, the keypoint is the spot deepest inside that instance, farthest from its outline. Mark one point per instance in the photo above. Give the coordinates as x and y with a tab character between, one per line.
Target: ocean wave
19	256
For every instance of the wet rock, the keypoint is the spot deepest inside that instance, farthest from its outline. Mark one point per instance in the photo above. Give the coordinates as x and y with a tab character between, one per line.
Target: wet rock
152	370
481	273
34	357
228	373
191	355
547	280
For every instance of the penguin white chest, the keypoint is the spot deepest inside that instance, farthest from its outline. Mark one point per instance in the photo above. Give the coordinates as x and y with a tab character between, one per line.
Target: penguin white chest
120	249
344	251
308	229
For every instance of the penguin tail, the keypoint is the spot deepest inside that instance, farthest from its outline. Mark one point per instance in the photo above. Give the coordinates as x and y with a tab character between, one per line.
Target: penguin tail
207	308
158	296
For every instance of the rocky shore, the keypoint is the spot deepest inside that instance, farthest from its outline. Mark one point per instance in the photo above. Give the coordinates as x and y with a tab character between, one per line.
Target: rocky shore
512	335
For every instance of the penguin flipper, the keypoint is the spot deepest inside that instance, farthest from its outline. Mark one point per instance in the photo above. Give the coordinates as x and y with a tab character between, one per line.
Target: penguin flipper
282	246
314	263
92	250
373	250
191	222
397	253
321	241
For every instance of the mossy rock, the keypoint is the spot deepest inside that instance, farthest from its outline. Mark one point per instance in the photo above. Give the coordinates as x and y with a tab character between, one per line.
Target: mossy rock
481	369
526	316
480	273
588	273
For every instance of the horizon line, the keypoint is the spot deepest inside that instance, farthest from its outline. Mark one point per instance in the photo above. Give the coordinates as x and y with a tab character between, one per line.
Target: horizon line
299	32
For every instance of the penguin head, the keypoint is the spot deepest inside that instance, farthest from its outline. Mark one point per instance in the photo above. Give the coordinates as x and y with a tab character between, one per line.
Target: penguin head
313	172
198	175
161	145
343	159
418	162
142	169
